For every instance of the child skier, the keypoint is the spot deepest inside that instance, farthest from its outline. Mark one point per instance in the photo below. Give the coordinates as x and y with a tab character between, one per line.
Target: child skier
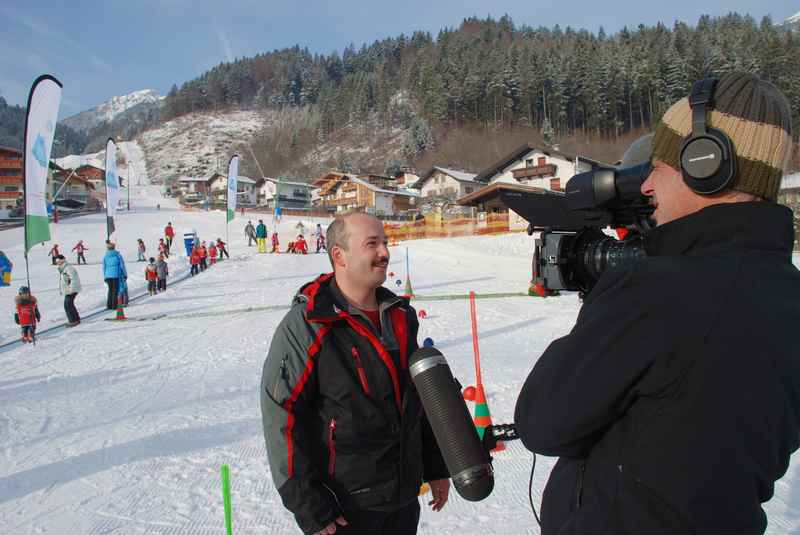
162	270
54	253
151	276
194	260
321	244
275	245
203	252
223	252
27	314
212	253
163	248
141	249
80	248
300	245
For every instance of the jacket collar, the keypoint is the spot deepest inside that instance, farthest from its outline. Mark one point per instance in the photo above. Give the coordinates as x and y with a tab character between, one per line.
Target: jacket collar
324	300
721	229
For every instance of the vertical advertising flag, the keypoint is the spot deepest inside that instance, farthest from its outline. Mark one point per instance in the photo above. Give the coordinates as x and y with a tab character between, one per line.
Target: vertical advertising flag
233	176
40	127
112	186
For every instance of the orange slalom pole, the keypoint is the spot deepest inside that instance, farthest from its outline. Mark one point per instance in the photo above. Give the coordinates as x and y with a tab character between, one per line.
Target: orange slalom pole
475	348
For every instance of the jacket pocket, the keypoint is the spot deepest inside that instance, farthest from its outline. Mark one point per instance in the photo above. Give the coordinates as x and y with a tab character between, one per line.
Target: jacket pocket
332	447
362	375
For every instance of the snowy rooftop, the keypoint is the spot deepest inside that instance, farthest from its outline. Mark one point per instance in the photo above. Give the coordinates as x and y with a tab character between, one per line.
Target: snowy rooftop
461	176
373	187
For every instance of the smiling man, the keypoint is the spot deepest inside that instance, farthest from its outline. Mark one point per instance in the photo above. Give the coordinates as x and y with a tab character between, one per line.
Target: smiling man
673	403
347	440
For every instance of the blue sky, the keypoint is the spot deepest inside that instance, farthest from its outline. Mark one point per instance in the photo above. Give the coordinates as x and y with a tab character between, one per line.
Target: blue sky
100	49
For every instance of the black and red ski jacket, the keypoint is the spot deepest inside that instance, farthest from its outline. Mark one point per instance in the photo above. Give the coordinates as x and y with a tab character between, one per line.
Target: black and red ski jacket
343	424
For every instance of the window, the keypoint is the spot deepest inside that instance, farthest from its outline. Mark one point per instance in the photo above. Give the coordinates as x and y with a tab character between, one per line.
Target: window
555	184
542	160
11	172
468	190
10	188
529	162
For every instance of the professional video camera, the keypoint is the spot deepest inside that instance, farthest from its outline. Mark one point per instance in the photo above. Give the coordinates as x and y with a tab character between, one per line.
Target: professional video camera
572	251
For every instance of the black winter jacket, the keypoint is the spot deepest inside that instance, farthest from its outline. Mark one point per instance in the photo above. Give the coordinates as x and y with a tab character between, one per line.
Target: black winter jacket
343	424
674	403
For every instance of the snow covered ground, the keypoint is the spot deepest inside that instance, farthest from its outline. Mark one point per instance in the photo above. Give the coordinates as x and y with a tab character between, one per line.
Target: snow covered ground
118	427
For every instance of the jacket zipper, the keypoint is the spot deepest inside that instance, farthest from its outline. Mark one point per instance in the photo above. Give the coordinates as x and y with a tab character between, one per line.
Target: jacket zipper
579	486
362	375
332	447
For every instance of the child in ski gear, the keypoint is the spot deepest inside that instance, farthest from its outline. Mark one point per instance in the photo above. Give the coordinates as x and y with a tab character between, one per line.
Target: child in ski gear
27	314
300	245
212	253
69	284
222	250
53	253
162	270
80	248
203	252
275	245
169	233
290	248
321	244
194	260
163	248
141	249
151	276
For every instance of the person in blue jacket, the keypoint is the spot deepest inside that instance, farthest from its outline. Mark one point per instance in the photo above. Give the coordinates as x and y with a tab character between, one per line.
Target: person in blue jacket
5	269
113	272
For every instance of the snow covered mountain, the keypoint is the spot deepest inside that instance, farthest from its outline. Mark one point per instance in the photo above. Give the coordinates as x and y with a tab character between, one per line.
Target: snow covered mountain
794	21
113	109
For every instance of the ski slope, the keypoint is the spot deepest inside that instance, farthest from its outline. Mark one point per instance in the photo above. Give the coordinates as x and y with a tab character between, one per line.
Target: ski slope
121	427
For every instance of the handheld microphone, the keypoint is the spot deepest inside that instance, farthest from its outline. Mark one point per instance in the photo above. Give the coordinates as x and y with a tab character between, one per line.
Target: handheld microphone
467	460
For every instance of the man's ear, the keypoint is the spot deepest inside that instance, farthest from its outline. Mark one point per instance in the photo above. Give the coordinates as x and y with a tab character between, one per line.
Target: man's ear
338	255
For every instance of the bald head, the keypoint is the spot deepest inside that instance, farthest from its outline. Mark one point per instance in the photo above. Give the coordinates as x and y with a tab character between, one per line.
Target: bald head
338	233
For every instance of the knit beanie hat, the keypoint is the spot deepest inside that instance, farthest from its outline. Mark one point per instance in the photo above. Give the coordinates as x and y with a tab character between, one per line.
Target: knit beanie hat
757	119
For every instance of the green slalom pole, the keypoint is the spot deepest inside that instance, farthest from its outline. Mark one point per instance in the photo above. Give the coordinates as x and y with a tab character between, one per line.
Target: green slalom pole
225	472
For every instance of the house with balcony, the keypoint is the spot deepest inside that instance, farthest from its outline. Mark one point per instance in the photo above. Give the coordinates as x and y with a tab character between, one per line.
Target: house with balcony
527	169
290	194
446	183
375	194
217	187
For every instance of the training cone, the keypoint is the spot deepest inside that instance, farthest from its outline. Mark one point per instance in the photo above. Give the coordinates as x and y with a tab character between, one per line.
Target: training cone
537	290
482	417
422	314
120	309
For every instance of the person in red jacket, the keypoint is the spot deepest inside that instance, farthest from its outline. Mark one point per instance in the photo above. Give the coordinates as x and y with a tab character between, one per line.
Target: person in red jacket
151	276
194	260
80	248
212	253
300	245
163	248
169	234
275	245
223	251
27	314
54	253
203	252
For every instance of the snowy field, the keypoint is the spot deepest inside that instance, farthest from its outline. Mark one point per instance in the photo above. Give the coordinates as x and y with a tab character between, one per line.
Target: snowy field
121	428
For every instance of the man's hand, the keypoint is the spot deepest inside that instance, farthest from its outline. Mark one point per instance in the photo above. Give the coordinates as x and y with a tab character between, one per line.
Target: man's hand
440	489
330	529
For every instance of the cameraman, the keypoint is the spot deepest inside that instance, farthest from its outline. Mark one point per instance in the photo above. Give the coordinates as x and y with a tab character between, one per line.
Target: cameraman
674	403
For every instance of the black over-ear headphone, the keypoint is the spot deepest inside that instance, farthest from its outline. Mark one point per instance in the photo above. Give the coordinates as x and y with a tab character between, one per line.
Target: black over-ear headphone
708	160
